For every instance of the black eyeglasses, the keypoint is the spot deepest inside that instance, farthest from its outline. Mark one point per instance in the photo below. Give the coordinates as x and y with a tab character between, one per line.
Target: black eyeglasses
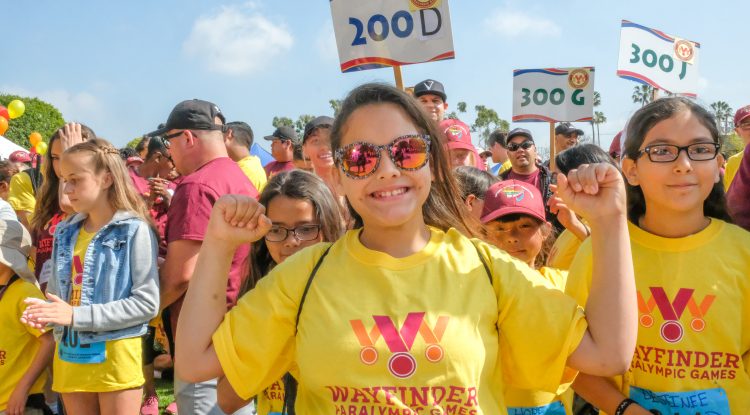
307	232
666	153
524	145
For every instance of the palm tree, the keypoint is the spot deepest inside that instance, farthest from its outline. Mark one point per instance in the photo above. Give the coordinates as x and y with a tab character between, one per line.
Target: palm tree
597	101
643	94
723	113
599	118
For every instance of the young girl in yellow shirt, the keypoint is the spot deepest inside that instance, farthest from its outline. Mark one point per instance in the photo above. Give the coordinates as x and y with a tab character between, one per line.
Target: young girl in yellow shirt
691	270
405	314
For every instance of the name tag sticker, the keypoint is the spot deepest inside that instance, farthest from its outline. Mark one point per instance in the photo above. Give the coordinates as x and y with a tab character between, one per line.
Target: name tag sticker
555	408
72	351
703	402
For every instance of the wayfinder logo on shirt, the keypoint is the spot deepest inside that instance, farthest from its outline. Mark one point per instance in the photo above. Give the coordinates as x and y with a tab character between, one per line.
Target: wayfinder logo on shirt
402	363
672	310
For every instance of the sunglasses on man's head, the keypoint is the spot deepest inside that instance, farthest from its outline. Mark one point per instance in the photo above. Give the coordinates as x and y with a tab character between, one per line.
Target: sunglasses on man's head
524	145
361	159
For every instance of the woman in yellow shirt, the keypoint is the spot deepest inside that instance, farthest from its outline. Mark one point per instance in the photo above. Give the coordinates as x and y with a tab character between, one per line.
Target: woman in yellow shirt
405	314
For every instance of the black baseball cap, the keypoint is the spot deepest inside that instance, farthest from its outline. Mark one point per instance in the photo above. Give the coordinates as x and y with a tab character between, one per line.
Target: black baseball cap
430	86
315	123
566	128
519	131
193	114
283	133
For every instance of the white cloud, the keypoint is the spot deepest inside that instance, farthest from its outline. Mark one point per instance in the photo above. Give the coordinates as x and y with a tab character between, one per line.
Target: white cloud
236	40
326	43
512	23
74	106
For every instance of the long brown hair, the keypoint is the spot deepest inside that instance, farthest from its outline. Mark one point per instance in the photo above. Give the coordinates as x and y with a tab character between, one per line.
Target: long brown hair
106	158
47	197
443	208
301	185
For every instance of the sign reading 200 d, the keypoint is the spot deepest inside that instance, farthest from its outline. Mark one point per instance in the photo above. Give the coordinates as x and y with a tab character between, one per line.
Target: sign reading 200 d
376	34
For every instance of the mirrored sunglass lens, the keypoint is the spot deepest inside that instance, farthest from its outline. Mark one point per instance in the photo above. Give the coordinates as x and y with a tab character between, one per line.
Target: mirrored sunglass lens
360	159
526	145
409	152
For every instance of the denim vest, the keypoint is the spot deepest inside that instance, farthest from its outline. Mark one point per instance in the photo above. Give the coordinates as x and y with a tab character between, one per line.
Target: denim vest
107	275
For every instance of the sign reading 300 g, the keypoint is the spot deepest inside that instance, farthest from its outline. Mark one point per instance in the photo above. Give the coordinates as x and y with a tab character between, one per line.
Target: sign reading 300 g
652	57
375	34
553	94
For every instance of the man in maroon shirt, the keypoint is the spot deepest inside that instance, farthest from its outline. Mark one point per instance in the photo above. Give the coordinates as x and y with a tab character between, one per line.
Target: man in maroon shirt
524	164
194	136
282	141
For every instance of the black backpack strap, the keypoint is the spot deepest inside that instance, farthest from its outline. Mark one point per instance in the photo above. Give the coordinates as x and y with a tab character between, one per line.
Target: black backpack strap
290	384
35	177
307	286
484	262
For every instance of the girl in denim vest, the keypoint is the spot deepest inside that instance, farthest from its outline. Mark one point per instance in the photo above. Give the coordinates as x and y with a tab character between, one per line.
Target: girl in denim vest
104	287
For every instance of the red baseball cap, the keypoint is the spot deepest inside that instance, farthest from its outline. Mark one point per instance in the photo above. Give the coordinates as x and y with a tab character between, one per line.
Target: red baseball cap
615	147
741	114
512	196
20	156
457	134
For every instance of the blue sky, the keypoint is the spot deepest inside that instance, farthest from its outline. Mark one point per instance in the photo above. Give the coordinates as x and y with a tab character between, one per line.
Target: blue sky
121	66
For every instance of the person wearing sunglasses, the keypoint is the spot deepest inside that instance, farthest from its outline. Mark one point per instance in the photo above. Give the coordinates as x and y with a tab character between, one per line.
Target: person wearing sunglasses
742	129
194	136
526	168
406	313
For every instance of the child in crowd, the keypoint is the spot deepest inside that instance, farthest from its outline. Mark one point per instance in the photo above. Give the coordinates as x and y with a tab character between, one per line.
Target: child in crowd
25	352
514	218
405	312
691	271
303	212
473	184
104	285
569	240
7	170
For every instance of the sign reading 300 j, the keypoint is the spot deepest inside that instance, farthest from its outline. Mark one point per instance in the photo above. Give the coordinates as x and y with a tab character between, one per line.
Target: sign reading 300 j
652	57
375	34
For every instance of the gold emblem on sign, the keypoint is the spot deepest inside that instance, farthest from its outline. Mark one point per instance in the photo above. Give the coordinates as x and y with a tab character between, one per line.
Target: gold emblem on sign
578	78
415	5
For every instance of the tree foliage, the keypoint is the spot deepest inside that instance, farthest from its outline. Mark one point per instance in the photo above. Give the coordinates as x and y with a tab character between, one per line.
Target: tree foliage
643	94
299	125
39	116
731	144
723	114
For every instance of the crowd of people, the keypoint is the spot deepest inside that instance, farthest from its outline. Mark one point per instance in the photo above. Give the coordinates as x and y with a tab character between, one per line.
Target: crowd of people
381	264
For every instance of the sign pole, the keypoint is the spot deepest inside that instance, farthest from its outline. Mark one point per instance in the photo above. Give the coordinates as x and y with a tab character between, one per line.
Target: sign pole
654	94
399	79
552	146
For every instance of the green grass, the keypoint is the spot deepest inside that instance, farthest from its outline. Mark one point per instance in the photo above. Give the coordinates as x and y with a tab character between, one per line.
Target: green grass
165	391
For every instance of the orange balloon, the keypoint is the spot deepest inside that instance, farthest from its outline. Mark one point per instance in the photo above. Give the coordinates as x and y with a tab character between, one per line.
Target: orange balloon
3	125
35	138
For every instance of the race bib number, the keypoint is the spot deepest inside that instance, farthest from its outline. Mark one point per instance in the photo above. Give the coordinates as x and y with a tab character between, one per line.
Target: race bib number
555	408
72	351
703	402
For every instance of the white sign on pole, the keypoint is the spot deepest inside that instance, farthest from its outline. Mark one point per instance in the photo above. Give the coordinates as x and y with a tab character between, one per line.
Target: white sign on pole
376	34
553	94
652	57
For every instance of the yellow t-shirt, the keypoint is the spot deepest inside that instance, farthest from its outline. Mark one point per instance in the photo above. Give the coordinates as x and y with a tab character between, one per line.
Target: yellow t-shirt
563	250
523	401
733	165
504	167
694	318
421	334
96	367
18	342
271	400
21	193
252	168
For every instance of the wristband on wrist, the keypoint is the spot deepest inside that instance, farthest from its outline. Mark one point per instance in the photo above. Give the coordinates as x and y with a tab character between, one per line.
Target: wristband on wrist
623	406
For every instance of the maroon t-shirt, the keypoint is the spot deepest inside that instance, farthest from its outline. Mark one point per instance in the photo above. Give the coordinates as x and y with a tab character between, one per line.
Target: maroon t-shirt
275	167
158	210
191	208
532	179
42	239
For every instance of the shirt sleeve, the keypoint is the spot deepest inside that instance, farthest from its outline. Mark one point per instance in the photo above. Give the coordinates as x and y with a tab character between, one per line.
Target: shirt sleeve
189	212
21	193
255	343
539	326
